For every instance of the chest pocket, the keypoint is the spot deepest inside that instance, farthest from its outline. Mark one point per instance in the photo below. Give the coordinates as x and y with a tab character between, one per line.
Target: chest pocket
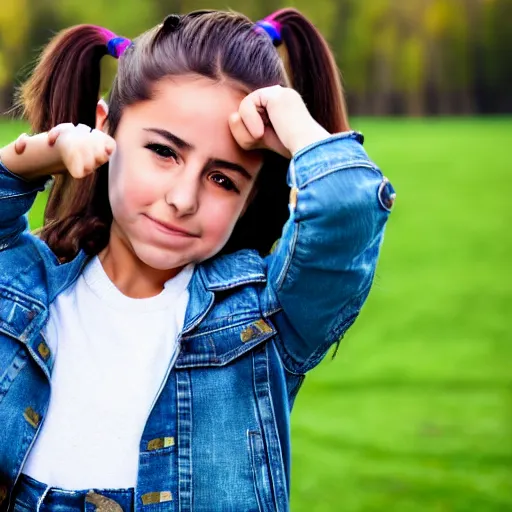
220	345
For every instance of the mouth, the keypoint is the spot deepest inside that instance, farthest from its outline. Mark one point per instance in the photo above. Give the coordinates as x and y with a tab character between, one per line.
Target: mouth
170	228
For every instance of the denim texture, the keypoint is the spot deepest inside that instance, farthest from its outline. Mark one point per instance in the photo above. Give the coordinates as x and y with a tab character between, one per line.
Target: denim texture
218	435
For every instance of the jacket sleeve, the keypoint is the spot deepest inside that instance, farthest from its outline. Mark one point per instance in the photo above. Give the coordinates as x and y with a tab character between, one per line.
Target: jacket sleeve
321	270
16	197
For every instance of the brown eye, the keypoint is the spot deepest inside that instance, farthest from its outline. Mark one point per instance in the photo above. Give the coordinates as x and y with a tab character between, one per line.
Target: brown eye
223	182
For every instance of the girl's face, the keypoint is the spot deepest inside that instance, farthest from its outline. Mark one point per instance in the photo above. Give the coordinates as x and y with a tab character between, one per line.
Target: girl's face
178	181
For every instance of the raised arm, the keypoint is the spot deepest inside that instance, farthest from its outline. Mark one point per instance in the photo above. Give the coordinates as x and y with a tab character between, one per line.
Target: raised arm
321	271
24	170
27	164
322	268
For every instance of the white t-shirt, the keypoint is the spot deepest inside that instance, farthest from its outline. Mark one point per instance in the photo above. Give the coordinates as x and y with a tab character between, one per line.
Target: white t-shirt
112	355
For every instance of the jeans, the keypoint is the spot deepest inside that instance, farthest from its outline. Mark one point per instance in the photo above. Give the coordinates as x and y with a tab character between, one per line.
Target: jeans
31	495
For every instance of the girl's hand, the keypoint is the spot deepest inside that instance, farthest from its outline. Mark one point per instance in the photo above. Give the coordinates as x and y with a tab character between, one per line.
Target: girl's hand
82	149
275	118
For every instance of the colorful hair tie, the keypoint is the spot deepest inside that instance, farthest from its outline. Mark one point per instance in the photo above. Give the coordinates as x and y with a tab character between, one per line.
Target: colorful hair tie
117	46
271	28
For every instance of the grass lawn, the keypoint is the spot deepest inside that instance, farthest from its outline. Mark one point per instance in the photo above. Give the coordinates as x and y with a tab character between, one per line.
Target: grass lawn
415	412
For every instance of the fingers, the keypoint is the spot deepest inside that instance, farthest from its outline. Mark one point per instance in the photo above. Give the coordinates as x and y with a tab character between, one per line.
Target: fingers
277	118
251	117
240	132
75	167
83	149
252	126
104	142
250	122
103	146
54	133
91	149
110	146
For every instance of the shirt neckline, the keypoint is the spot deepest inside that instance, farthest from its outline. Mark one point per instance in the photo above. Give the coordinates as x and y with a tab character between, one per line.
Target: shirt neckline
99	284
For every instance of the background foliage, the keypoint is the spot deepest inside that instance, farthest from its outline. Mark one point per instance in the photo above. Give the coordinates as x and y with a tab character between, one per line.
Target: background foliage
397	57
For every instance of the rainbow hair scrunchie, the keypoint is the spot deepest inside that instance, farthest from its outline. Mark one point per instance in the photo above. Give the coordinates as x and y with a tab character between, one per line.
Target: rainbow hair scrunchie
116	45
271	27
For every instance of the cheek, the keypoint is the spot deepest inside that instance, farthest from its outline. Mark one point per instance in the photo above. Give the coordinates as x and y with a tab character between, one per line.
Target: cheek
130	188
219	221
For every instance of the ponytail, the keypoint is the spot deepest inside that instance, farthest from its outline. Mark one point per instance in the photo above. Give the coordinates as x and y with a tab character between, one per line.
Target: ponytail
64	88
311	68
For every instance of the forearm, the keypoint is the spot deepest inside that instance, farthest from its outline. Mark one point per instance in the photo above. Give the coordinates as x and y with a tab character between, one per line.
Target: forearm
38	159
25	167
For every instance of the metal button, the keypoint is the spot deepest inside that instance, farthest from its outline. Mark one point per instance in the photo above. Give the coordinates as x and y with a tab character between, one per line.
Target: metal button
32	417
386	194
294	191
156	497
254	330
102	503
44	350
160	442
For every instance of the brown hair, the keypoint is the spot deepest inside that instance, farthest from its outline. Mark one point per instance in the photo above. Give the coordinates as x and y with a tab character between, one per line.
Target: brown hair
64	87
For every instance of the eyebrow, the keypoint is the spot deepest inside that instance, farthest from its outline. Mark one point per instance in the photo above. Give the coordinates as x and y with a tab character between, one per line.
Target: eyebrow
170	137
232	167
181	144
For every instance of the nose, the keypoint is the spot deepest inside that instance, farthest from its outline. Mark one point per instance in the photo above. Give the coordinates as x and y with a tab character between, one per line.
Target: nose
183	192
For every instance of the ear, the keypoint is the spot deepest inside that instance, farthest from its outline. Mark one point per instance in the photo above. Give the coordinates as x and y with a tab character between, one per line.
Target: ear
101	115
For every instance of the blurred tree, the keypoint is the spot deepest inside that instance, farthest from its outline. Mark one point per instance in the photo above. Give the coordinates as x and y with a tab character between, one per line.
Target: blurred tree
493	77
126	17
416	57
15	26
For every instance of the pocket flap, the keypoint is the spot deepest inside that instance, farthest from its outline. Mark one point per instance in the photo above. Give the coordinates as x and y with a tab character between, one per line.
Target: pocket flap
17	313
220	346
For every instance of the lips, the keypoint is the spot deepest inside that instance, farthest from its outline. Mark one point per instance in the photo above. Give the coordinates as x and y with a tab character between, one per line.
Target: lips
171	228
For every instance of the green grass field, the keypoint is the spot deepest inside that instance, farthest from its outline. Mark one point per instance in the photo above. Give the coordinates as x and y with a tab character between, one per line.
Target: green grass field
415	412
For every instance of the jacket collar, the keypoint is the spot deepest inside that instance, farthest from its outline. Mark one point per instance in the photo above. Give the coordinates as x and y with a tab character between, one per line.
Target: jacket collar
218	274
233	270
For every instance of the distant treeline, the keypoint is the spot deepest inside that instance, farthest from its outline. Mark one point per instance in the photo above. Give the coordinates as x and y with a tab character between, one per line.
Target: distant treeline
405	57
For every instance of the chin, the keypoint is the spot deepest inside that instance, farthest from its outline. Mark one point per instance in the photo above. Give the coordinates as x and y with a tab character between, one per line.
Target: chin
160	259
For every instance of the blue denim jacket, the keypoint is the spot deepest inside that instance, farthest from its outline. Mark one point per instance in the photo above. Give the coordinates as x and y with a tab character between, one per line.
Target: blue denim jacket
218	436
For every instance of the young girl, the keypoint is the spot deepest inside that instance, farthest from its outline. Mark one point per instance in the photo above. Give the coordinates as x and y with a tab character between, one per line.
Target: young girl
154	335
